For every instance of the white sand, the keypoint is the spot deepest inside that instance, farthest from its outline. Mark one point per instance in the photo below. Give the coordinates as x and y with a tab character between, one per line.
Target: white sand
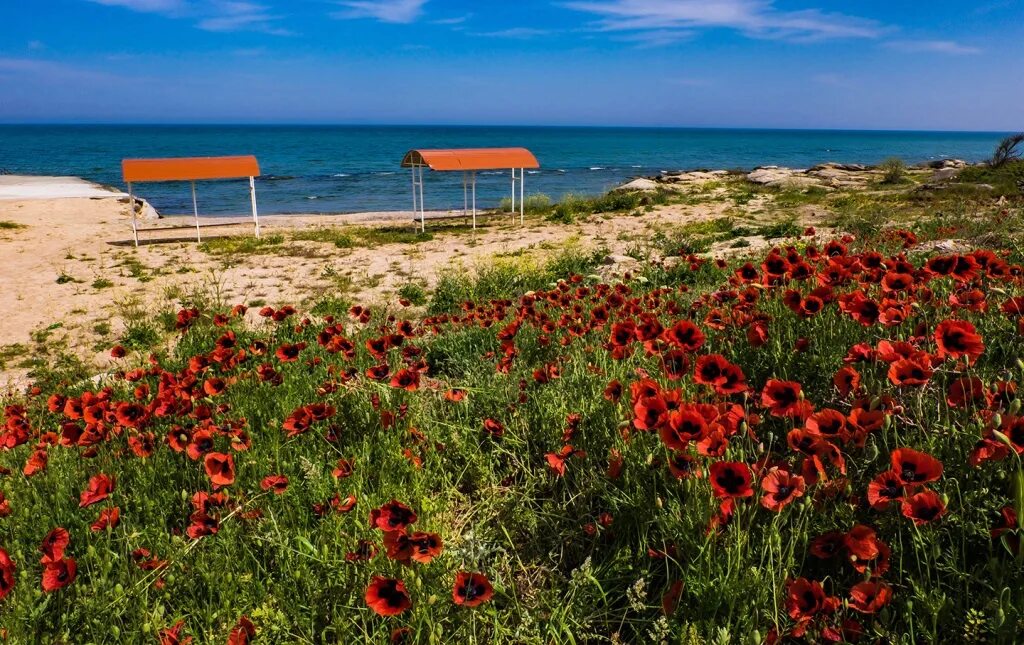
24	187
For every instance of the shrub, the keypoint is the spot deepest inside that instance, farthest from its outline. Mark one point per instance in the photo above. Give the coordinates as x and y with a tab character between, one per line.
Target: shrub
894	170
1009	149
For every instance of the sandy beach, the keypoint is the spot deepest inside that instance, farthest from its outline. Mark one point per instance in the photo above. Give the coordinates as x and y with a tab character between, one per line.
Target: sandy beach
72	274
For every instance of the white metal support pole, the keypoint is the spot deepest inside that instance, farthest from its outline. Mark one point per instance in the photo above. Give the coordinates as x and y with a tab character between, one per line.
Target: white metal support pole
195	209
465	194
131	205
474	200
423	212
415	208
513	171
252	198
522	196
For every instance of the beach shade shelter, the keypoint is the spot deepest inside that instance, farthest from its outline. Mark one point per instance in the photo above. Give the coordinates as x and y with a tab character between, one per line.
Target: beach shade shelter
191	169
469	161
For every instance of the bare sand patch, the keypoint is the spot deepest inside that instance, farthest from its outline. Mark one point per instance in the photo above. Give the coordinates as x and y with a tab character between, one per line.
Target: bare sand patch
70	269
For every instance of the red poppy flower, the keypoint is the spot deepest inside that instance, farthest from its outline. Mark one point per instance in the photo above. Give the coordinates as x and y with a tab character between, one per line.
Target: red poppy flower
242	633
220	468
343	469
683	466
924	507
910	372
968	391
455	395
956	338
387	596
288	353
806	598
424	547
59	574
53	544
684	426
5	505
784	399
885	489
685	335
471	589
108	518
869	597
100	487
276	483
7	569
131	415
393	516
730	479
827	545
650	413
675	364
913	467
828	424
494	428
780	488
214	386
172	635
556	460
406	379
613	392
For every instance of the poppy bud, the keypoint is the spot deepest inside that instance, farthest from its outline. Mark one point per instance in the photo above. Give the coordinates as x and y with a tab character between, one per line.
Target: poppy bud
886	422
997	419
115	631
659	502
871	452
1020	364
875	403
118	589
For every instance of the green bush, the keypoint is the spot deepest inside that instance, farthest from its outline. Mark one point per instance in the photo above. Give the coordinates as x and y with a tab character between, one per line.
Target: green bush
894	170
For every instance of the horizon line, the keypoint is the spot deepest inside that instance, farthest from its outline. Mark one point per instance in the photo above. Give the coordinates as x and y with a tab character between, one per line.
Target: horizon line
342	124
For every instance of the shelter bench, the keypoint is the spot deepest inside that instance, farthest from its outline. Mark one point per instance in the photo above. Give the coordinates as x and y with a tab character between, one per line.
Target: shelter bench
191	169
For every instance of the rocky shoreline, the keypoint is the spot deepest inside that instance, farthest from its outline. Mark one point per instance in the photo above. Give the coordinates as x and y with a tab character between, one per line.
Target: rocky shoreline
829	176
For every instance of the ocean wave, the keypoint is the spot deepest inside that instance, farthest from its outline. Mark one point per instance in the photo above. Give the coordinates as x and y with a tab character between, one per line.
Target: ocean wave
382	174
532	172
342	174
313	197
597	167
277	178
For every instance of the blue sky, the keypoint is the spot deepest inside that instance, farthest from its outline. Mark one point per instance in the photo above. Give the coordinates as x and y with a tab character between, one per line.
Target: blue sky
944	64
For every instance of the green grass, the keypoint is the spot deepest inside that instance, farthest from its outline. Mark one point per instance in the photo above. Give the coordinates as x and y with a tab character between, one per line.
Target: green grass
6	225
1007	180
102	283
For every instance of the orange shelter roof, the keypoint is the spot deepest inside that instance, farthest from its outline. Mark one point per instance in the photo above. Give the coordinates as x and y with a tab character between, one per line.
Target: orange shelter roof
471	159
189	168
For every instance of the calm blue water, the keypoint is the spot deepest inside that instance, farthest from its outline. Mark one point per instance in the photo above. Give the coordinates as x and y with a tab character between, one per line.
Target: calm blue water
338	169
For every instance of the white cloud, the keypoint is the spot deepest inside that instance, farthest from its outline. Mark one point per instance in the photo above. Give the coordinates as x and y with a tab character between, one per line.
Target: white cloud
147	6
458	20
754	18
397	11
211	15
517	33
233	15
933	46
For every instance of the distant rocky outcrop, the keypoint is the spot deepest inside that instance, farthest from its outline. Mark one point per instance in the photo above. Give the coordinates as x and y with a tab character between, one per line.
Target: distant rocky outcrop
829	176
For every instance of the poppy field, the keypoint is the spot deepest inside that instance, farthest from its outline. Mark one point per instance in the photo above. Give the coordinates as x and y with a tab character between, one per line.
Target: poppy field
818	444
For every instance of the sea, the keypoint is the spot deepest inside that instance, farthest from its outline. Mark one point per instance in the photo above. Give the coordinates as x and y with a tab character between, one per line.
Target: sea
347	169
